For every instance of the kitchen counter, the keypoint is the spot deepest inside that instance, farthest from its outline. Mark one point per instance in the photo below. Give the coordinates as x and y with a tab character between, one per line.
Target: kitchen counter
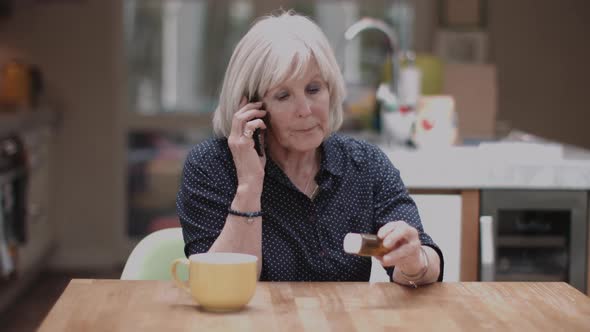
447	184
501	165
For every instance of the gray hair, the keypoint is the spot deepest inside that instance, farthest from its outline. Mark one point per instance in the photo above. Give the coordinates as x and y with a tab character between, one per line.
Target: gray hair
275	49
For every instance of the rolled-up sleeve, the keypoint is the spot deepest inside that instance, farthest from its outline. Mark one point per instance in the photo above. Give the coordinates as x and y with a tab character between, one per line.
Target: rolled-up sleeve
202	200
393	203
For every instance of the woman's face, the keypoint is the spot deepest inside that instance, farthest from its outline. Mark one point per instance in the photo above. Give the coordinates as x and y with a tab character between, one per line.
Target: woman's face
299	111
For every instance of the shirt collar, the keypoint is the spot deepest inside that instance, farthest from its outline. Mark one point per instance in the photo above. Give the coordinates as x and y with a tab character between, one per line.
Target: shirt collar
331	156
331	160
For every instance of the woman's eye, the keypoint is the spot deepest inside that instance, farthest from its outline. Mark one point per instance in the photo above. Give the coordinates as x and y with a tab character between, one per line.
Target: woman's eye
313	89
282	96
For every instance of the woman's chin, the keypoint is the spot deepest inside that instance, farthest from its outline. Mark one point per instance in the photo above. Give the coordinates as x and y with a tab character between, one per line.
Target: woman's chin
307	143
302	142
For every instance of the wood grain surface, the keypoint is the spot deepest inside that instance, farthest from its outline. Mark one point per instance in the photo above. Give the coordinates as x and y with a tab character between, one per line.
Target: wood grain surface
470	235
116	305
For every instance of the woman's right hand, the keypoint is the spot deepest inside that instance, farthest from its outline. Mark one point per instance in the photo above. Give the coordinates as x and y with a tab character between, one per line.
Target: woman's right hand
249	166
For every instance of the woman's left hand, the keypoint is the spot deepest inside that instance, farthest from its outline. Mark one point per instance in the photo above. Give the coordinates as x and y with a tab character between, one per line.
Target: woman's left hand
404	247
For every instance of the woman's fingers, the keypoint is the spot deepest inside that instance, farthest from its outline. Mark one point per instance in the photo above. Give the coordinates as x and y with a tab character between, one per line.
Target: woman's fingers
250	128
402	233
394	232
249	166
254	124
245	138
248	115
234	125
386	229
246	112
400	254
402	241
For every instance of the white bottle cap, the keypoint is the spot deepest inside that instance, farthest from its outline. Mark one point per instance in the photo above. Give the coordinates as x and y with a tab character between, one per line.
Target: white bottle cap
353	243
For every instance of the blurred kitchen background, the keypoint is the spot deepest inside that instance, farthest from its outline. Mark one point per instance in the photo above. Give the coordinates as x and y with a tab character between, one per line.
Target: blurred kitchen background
100	101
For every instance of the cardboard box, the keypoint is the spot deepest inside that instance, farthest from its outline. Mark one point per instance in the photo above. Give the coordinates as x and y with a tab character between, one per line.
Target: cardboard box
474	88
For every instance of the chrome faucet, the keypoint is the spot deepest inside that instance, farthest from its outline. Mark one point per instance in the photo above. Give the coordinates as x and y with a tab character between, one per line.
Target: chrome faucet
367	23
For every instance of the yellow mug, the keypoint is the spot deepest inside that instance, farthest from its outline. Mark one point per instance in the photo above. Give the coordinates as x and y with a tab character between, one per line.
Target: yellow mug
220	281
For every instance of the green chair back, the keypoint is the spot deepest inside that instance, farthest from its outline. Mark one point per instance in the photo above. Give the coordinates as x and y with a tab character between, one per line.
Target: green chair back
152	256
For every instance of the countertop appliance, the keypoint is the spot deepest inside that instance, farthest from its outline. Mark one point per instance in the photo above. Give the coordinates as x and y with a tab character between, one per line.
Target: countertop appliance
534	235
12	200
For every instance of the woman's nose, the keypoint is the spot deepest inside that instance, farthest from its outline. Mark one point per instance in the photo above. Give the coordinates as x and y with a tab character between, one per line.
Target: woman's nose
303	106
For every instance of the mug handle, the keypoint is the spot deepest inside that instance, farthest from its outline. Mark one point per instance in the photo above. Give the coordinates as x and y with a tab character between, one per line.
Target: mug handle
182	284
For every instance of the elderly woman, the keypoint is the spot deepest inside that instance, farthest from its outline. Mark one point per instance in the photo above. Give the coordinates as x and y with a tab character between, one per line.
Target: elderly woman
292	204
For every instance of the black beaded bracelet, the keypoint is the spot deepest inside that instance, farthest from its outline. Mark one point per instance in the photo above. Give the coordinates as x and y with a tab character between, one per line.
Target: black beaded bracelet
248	215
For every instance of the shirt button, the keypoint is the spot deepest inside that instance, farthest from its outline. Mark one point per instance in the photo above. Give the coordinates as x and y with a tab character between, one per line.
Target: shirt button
322	253
311	218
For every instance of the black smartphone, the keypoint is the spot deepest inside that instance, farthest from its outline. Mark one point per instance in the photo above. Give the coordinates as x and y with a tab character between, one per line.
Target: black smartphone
258	133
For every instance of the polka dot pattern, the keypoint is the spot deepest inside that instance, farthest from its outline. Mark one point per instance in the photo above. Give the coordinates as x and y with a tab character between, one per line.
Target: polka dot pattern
359	191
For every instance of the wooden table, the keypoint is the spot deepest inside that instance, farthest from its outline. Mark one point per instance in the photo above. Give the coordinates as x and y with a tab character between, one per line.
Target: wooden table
115	305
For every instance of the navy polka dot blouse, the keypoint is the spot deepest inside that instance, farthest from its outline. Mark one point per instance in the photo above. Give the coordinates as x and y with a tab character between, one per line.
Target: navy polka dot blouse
359	191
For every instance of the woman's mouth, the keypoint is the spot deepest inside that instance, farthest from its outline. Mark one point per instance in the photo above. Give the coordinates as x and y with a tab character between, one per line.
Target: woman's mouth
306	130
